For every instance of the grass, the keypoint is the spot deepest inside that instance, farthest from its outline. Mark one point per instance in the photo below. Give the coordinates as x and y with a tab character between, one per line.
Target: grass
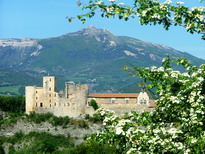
9	90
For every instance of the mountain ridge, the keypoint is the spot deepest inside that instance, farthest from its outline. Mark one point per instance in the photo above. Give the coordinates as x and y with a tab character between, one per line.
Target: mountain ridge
90	55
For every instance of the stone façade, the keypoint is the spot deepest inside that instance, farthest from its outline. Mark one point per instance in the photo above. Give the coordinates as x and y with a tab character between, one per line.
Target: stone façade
73	101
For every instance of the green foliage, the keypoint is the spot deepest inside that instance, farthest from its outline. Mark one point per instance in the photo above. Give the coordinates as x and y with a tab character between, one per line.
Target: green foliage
39	118
176	125
43	142
80	123
14	104
38	142
60	121
55	121
2	150
94	104
93	148
99	116
8	122
11	149
148	12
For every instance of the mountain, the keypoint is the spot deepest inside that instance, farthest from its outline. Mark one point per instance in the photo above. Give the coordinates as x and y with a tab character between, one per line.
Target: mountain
91	55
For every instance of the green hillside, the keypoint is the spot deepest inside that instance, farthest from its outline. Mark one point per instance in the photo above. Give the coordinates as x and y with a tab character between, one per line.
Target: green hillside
91	55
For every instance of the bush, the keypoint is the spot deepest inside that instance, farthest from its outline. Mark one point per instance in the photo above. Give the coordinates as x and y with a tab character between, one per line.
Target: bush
60	121
93	148
38	142
38	118
54	120
87	116
80	123
93	104
12	104
176	125
1	150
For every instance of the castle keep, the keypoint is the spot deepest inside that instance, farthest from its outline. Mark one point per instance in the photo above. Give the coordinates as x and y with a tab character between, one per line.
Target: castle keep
73	101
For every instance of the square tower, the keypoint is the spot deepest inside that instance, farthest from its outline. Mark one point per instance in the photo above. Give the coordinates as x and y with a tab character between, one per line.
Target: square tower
49	84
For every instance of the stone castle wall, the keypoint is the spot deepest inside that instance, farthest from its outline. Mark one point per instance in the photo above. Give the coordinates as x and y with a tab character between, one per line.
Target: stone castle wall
73	101
122	105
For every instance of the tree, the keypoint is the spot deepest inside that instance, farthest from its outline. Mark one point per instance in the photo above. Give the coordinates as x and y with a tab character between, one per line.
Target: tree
176	125
94	104
149	12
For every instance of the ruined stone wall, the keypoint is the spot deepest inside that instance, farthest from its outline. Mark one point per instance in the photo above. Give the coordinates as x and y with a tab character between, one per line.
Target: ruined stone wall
73	101
44	99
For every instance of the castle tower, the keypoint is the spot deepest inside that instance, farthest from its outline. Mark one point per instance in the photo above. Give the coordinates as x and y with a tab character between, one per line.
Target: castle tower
70	89
30	98
49	86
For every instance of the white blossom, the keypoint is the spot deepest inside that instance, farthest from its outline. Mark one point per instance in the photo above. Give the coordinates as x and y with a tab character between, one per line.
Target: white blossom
121	4
179	3
99	2
156	16
119	130
168	2
112	0
144	12
131	150
186	74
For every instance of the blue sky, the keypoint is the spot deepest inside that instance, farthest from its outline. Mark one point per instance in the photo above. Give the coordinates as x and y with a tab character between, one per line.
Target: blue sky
47	18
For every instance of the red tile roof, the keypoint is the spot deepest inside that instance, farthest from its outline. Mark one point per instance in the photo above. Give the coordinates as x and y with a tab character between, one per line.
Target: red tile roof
114	95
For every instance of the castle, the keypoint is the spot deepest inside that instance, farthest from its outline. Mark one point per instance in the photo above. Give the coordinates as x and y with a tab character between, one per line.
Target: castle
73	101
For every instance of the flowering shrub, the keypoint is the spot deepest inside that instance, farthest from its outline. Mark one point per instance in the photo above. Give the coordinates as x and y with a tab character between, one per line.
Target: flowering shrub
166	13
176	125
